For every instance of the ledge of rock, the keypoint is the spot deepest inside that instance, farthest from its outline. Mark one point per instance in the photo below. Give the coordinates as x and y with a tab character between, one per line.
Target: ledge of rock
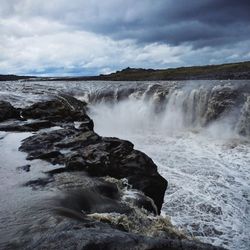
7	111
81	149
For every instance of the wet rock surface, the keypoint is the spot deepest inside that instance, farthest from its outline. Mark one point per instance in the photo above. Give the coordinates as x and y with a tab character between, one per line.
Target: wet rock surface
98	156
25	168
86	234
25	126
90	211
221	101
7	111
63	108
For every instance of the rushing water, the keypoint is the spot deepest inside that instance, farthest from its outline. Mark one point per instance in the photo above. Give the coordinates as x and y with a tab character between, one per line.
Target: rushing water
208	193
206	163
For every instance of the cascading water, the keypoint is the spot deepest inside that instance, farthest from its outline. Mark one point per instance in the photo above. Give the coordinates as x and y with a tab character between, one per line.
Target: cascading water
177	108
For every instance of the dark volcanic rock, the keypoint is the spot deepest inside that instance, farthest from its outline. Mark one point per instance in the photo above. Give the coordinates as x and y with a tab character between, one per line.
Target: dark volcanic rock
98	236
82	149
98	156
102	198
7	111
117	158
221	100
124	93
44	141
75	220
151	185
86	234
41	182
22	126
25	168
54	110
62	109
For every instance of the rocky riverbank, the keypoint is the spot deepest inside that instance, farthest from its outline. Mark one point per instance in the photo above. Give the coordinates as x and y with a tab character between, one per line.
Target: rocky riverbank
109	195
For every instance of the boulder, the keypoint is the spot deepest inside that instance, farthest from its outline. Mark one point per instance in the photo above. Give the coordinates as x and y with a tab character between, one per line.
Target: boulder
7	111
61	109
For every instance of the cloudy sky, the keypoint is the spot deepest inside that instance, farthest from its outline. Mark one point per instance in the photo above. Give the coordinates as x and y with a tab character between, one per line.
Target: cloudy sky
88	37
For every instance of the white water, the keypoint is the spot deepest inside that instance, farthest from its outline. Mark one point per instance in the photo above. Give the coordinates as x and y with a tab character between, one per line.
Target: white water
207	169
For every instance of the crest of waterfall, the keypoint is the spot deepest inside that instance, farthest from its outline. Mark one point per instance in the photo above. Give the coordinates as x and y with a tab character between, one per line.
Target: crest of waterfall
176	106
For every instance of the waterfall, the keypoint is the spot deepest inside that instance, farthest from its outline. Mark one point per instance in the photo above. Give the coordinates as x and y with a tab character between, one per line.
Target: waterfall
174	107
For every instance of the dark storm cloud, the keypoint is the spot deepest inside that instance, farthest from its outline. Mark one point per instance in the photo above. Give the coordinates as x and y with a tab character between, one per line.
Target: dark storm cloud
202	23
199	22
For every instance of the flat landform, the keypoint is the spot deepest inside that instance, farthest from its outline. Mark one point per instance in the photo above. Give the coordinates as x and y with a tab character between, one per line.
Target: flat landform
230	71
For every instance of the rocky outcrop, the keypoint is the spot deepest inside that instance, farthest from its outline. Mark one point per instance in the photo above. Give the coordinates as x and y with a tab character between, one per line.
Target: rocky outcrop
7	111
91	214
79	148
98	156
62	109
26	126
222	100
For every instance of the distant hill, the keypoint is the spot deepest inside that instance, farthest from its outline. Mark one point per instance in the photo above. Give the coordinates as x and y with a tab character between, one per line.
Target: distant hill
234	71
224	71
14	77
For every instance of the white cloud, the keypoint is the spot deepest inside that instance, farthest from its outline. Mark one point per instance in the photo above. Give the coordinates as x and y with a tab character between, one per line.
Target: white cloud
36	45
35	26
